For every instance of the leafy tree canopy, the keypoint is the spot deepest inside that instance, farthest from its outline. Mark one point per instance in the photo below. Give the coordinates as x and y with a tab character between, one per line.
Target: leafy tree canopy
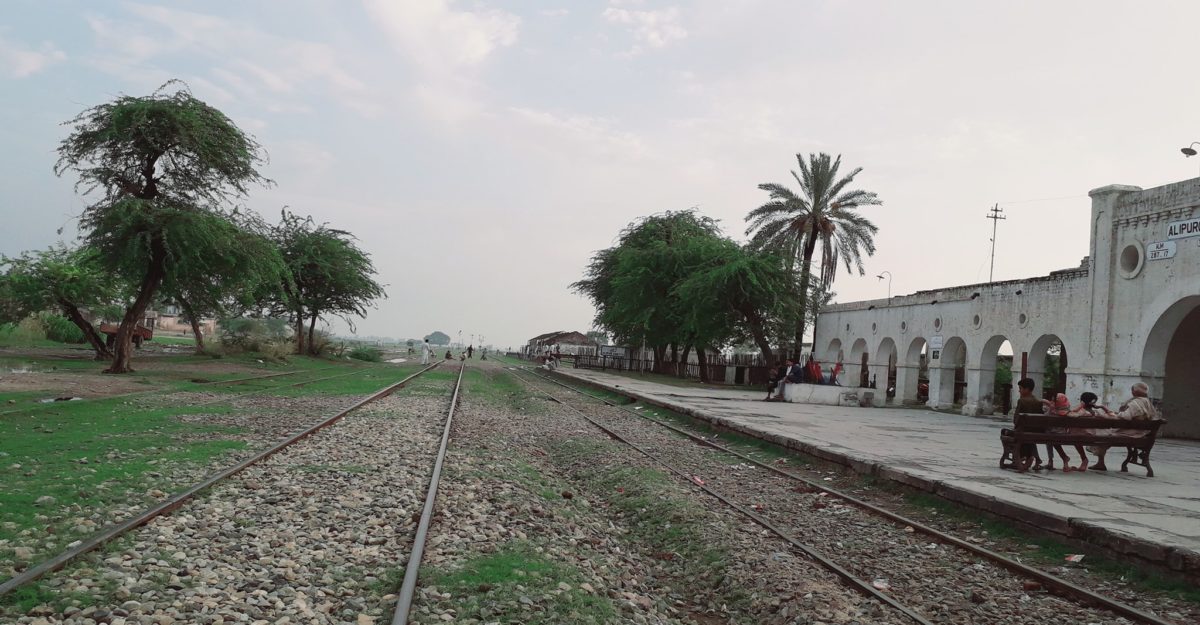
164	167
328	273
61	279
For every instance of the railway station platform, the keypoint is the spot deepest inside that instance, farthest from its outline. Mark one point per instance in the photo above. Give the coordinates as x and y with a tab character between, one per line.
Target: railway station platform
957	457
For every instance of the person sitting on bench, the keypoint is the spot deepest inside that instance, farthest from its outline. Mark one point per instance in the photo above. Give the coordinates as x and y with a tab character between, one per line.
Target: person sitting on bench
795	374
1139	408
1028	404
777	375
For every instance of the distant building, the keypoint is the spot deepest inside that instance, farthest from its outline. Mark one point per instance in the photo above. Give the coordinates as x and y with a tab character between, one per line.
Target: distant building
1129	313
561	342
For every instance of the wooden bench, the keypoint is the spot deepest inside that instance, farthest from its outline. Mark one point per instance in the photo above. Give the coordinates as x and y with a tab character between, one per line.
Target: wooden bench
1035	429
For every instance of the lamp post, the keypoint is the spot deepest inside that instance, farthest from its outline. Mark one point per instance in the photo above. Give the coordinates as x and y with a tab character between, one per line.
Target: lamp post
889	277
1189	151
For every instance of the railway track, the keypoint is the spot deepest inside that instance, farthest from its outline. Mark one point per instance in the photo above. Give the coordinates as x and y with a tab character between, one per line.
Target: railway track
828	526
180	498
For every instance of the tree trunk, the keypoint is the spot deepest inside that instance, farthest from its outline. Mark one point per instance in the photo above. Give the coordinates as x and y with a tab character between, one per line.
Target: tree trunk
660	355
71	311
123	345
810	246
674	358
312	325
755	324
682	367
300	331
195	322
702	359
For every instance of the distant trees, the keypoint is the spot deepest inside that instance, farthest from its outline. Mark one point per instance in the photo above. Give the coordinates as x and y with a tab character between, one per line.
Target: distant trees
327	274
438	338
163	172
675	283
819	214
165	167
62	279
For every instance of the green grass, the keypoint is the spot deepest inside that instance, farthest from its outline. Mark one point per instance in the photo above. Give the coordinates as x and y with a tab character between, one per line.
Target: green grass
496	583
92	455
501	388
174	340
1048	551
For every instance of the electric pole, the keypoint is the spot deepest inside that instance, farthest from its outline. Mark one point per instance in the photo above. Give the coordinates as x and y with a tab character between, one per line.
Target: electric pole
995	214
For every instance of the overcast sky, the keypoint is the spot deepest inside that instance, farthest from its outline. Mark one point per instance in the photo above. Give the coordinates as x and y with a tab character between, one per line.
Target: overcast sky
483	150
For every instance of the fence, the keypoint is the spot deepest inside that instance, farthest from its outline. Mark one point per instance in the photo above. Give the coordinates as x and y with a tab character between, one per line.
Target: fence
718	372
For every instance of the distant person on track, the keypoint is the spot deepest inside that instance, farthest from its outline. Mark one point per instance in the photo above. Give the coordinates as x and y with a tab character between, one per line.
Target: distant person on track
449	356
1028	404
426	352
470	351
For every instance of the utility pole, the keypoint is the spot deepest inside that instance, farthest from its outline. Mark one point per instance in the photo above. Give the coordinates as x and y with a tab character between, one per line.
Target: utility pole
995	214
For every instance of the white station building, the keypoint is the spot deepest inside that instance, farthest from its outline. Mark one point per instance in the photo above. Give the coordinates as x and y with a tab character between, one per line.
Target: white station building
1130	312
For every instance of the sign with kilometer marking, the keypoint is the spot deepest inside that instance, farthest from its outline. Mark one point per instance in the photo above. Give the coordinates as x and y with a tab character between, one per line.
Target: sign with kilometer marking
1183	228
1160	250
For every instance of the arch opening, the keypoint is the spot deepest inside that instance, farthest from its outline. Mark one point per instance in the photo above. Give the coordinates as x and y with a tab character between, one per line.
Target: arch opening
996	375
912	379
1171	366
860	363
951	375
834	353
886	359
1048	365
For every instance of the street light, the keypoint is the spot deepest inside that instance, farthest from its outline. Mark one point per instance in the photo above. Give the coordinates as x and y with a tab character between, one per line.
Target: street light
889	276
1189	151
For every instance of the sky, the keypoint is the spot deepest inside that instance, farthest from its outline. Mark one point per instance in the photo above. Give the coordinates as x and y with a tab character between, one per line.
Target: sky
482	151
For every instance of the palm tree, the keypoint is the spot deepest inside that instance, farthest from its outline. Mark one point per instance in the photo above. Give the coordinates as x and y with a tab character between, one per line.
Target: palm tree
821	213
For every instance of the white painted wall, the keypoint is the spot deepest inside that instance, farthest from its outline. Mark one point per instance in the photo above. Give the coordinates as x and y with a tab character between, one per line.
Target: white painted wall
1116	314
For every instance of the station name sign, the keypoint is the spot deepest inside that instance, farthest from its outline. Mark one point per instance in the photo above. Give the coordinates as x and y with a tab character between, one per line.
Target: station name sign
1183	228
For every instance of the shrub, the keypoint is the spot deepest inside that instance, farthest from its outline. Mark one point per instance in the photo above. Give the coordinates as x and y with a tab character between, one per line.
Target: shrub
321	343
277	350
250	334
61	329
368	354
23	333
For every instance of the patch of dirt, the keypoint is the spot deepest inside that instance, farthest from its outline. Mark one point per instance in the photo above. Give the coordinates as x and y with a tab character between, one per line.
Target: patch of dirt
63	384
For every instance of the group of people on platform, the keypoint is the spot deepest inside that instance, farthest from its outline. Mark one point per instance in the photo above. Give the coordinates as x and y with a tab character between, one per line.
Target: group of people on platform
792	372
1138	408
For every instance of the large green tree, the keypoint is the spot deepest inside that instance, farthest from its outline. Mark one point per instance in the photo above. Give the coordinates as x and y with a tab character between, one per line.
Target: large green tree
164	168
632	284
327	275
224	277
736	291
820	214
62	279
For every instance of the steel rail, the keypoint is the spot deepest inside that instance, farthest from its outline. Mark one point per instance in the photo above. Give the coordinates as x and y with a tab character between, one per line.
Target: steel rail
860	584
1048	580
175	501
409	586
139	393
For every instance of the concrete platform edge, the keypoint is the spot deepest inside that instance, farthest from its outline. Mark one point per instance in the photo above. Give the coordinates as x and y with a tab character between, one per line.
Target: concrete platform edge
1176	559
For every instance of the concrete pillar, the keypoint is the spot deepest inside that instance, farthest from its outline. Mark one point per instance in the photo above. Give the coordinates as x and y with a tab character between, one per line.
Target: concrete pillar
941	385
1100	272
906	383
880	373
980	387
